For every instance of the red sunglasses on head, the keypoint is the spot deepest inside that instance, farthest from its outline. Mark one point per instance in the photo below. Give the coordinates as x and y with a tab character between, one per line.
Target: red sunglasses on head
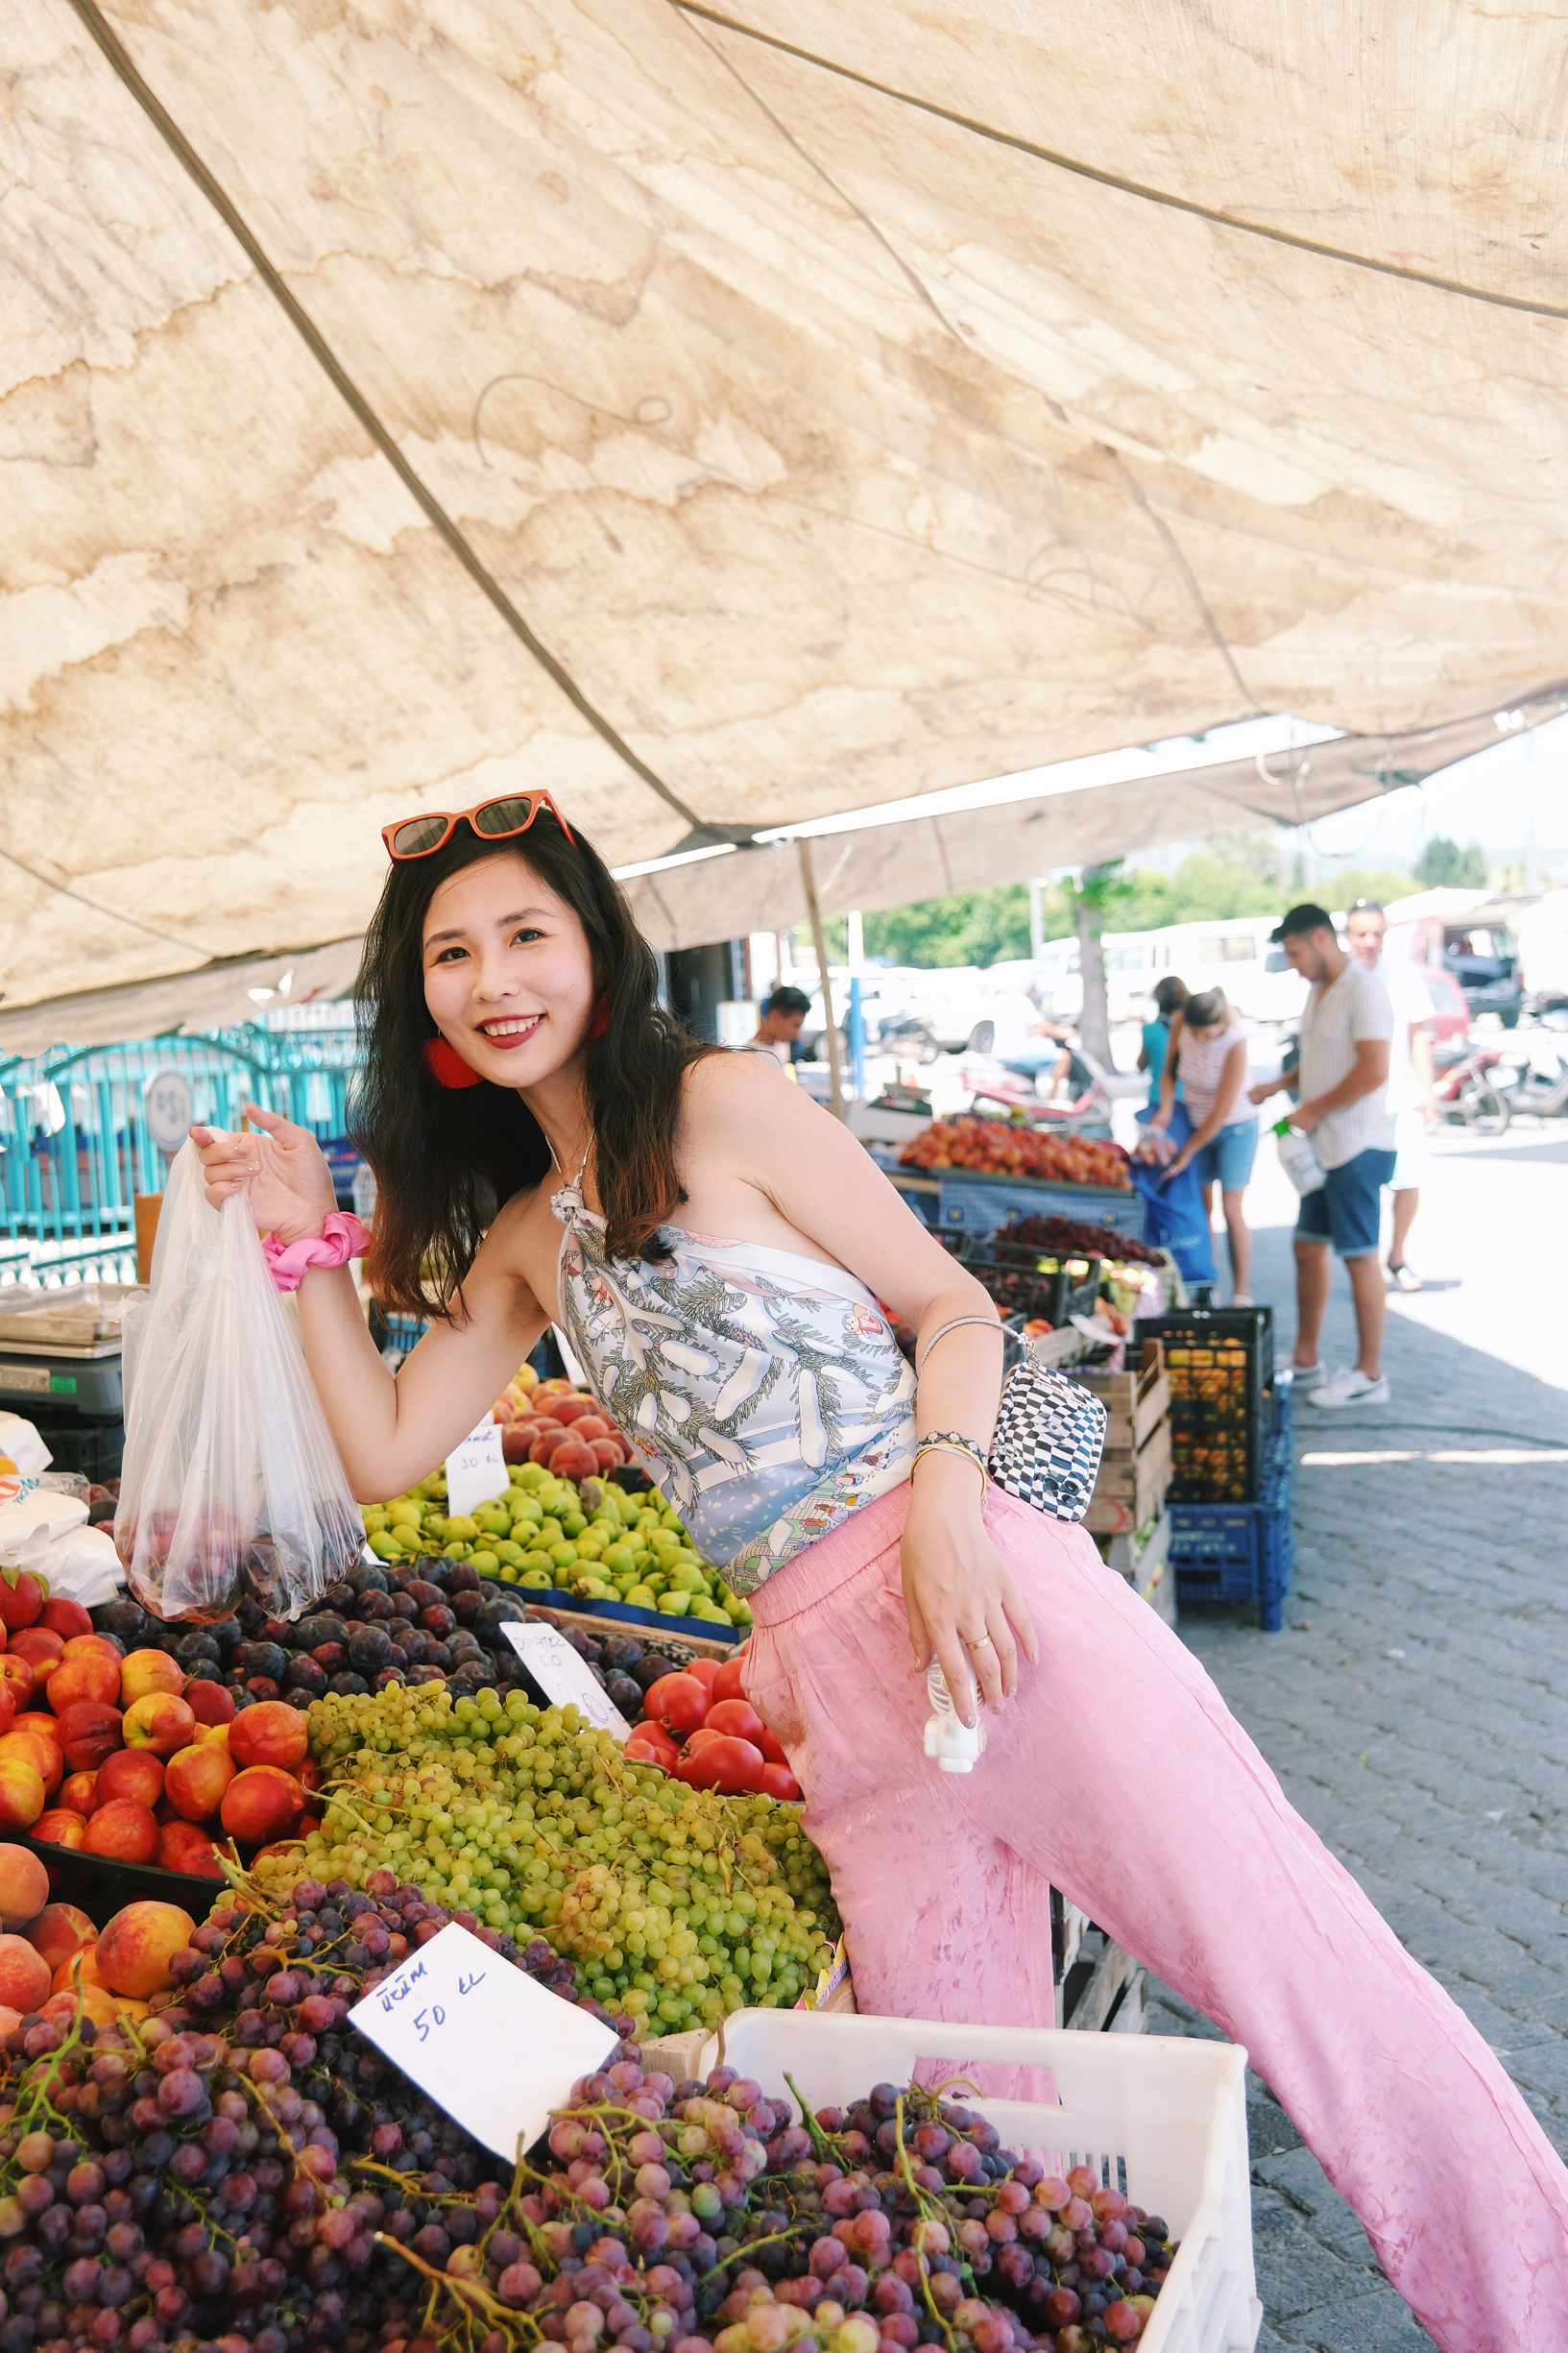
497	820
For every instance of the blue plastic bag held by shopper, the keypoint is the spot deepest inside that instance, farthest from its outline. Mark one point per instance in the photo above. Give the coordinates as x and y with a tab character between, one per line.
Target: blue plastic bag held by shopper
1175	1218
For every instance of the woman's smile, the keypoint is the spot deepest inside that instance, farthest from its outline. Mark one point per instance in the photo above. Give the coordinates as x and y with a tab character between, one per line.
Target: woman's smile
506	1030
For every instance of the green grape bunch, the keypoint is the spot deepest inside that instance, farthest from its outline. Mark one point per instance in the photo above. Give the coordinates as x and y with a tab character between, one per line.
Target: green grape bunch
674	1905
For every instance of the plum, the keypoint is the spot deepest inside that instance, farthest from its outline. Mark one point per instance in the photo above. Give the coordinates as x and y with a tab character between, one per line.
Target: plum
322	1626
268	1659
370	1649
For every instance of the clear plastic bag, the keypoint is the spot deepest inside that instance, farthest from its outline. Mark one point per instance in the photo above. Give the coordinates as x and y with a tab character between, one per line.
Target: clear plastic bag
231	1483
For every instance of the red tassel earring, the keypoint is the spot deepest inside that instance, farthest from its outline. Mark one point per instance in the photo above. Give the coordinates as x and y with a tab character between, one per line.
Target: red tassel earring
597	1027
447	1066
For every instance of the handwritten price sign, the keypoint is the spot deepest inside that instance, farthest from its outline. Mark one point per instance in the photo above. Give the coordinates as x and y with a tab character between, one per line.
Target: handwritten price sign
481	2039
476	1470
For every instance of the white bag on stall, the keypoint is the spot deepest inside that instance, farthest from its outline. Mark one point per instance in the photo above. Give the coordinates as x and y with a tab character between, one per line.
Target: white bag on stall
231	1483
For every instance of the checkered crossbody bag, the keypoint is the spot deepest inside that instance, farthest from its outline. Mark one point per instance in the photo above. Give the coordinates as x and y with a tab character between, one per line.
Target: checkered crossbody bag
1048	1441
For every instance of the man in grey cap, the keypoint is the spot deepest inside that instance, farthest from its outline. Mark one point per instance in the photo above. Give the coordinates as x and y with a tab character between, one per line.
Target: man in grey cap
1341	1085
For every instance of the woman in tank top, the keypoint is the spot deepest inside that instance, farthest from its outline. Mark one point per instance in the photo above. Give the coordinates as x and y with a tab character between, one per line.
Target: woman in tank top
548	1146
1207	1059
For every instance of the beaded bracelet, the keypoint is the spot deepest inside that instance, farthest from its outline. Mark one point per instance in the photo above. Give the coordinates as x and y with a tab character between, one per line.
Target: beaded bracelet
954	1441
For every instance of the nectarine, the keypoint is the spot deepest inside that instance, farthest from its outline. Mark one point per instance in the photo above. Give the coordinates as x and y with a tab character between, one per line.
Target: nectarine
65	1617
271	1734
18	1679
82	1965
142	1671
260	1803
60	1931
123	1829
21	1600
196	1779
58	1826
24	1886
183	1847
22	1792
78	1791
94	2000
209	1703
160	1722
42	1754
24	1974
137	1945
87	1675
90	1730
131	1773
41	1649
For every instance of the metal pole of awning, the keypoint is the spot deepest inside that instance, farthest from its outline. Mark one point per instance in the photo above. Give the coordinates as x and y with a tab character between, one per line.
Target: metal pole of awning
835	1087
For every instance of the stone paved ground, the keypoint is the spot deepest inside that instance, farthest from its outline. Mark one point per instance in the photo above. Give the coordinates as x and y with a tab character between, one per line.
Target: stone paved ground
1414	1708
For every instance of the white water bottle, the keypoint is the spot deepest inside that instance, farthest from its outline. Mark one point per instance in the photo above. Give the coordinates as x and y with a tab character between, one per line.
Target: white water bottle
1297	1157
949	1739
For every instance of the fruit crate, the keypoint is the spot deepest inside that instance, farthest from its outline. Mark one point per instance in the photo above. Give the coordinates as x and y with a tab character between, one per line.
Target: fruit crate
1241	1551
979	1204
1162	2118
1028	1282
680	1638
1220	1365
101	1886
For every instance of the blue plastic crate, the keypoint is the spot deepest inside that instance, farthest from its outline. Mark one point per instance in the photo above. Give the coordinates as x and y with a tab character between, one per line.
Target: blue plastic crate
1240	1551
979	1205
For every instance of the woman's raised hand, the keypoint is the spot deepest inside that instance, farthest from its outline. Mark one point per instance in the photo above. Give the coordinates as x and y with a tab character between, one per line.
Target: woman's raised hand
282	1170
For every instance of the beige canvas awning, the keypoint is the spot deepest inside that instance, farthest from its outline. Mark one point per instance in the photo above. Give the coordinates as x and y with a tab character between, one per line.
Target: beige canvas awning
732	416
759	886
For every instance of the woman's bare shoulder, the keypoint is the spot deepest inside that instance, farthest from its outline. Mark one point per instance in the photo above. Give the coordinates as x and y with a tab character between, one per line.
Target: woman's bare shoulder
738	1086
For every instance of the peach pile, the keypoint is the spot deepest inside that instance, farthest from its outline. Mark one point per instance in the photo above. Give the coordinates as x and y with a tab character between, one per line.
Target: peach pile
126	1757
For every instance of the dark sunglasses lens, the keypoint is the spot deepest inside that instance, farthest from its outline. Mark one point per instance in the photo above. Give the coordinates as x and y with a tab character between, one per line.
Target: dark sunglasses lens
503	816
419	835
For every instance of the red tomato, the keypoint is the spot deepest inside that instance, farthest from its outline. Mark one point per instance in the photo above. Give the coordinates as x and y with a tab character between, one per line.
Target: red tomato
727	1682
732	1767
644	1752
777	1782
735	1717
705	1670
702	1732
771	1748
679	1702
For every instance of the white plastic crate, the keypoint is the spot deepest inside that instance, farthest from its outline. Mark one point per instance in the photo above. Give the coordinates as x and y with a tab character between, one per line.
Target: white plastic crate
1163	2117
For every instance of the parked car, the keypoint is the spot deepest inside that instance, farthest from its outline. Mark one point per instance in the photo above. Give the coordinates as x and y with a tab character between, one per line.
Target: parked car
1481	958
1451	1014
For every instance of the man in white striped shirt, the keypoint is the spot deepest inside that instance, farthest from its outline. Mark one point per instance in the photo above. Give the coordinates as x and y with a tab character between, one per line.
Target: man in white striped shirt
1342	1085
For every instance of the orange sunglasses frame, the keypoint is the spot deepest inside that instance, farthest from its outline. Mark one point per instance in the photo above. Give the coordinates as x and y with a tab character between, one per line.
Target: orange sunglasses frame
452	818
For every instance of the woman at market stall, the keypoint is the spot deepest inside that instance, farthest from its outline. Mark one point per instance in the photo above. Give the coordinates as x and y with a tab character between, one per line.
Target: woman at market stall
549	1146
1207	1059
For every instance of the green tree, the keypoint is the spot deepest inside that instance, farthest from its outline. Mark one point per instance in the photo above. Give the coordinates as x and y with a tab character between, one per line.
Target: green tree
968	927
1443	866
1362	882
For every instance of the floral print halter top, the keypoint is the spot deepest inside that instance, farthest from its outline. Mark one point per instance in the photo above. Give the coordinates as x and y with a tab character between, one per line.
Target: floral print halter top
763	1389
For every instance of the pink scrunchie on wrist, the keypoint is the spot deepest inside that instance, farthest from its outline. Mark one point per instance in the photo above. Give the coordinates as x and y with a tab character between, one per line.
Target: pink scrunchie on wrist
342	1237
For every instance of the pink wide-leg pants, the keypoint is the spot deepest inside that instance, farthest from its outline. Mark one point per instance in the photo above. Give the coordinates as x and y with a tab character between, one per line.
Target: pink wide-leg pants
1118	1776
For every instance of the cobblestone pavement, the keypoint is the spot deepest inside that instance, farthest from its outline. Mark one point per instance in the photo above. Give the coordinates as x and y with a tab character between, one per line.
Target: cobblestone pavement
1413	1707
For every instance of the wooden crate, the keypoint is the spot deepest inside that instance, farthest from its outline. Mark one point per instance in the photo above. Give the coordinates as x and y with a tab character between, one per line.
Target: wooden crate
1135	1401
1137	1481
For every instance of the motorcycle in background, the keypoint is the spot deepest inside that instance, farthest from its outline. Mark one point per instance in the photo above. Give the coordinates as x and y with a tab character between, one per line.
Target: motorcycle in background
1467	1088
1532	1070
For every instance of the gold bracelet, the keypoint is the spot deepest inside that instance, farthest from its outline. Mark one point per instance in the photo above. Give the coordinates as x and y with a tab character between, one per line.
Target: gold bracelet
954	1441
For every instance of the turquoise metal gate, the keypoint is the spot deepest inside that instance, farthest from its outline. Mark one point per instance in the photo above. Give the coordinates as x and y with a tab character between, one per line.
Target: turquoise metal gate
84	1129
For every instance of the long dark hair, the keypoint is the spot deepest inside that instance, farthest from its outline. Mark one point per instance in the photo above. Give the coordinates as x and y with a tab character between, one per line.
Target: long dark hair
445	1159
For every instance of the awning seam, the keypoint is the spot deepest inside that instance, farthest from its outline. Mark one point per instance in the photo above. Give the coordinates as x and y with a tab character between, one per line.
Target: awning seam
326	359
1116	179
